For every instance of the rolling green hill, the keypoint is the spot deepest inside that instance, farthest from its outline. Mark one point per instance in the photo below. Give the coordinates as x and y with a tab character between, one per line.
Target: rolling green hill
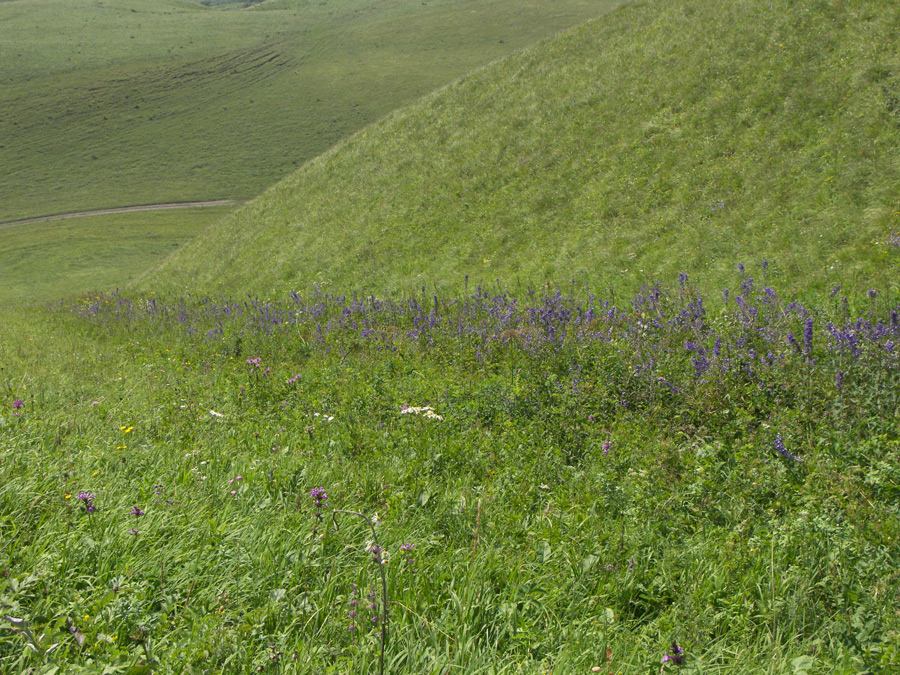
126	102
664	137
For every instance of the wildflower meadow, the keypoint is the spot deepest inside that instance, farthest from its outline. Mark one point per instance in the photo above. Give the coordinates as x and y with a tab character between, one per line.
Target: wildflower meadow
548	480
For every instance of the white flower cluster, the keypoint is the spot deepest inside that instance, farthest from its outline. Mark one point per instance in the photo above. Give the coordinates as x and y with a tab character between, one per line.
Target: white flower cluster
424	411
327	418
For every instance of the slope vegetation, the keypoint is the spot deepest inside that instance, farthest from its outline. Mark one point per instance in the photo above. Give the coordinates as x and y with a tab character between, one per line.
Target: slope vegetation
664	137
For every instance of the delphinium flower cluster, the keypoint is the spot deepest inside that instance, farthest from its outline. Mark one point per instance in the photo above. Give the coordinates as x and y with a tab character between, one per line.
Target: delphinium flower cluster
256	367
371	606
780	448
662	342
375	618
409	552
137	512
893	239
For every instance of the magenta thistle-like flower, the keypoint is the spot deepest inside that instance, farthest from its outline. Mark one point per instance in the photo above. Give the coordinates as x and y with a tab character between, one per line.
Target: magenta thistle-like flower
87	498
319	497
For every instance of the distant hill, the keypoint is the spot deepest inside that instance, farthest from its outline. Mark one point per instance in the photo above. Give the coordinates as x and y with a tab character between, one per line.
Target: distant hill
664	137
124	102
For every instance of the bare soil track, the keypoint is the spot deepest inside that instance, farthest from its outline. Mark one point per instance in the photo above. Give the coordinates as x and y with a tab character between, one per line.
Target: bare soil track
120	209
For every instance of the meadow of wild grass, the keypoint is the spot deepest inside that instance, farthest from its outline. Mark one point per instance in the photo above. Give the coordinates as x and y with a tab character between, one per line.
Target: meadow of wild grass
207	472
560	480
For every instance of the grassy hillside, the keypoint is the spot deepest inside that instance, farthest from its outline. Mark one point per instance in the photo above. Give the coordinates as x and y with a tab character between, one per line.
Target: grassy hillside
131	102
664	137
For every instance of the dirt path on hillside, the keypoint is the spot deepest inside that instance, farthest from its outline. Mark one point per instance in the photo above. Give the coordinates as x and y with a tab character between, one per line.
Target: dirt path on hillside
120	209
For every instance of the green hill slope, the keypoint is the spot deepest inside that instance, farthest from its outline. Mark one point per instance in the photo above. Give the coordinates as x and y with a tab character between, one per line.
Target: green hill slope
133	102
664	137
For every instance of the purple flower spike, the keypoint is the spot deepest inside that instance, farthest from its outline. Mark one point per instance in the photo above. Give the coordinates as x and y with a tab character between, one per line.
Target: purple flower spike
808	337
18	404
676	657
136	511
783	451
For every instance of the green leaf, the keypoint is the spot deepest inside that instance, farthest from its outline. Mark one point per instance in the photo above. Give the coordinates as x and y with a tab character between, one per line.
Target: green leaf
802	664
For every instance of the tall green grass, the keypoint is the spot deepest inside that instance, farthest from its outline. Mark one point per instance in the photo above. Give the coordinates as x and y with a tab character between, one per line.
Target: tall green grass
556	529
661	138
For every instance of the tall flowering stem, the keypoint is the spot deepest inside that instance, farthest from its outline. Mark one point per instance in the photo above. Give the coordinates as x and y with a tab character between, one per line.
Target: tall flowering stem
376	552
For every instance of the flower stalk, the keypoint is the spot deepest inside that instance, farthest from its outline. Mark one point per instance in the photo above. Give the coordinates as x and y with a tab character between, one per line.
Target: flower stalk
376	551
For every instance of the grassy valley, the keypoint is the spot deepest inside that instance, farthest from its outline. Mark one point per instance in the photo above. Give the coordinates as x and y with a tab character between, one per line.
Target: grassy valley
125	102
116	103
41	262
